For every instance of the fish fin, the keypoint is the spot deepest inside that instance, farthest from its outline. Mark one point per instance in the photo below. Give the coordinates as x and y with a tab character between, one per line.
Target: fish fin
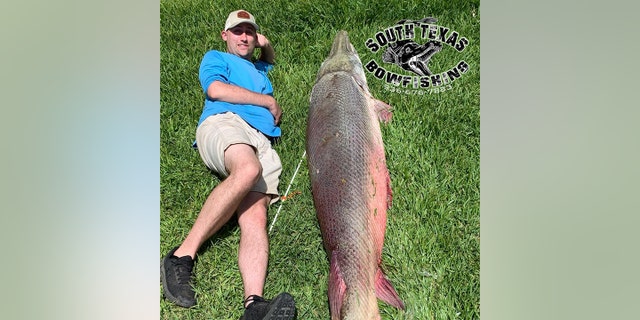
337	287
362	82
382	109
386	292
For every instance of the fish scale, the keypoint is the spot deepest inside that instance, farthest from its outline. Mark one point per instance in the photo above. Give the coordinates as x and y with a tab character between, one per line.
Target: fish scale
350	183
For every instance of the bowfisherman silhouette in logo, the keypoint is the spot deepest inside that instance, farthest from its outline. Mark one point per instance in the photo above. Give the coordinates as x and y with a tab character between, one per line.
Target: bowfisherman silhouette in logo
409	55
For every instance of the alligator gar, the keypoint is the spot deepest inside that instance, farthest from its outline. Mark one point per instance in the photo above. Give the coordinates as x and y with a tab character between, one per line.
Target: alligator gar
350	183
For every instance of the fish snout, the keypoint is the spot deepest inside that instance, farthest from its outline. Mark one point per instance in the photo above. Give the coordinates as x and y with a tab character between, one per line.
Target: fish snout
341	44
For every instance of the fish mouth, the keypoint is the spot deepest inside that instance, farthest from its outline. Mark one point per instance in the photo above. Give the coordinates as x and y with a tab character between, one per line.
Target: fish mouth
341	44
343	57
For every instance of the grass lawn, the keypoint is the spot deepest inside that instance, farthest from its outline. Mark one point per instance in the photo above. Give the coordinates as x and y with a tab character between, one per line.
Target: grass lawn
432	245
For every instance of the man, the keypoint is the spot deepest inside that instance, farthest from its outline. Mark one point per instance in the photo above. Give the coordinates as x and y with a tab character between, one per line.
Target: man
239	120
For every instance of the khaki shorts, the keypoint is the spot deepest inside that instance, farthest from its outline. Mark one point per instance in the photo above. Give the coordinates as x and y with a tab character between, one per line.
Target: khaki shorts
216	133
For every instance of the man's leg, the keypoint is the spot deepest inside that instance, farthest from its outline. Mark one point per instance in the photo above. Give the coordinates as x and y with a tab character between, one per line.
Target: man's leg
244	170
253	254
253	258
176	269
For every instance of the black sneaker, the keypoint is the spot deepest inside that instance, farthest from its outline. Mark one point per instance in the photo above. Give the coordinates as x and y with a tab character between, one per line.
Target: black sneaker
176	274
281	307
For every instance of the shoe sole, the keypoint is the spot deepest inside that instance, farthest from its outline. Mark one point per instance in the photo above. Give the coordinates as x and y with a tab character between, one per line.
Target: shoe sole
284	308
168	294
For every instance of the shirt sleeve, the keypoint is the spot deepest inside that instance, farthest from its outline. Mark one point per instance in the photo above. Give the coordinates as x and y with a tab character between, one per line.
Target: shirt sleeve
212	68
263	66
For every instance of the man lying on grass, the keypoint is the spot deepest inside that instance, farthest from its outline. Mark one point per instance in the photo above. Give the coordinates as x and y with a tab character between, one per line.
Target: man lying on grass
239	122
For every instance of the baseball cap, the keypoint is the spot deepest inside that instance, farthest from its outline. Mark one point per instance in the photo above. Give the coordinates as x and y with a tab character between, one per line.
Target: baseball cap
239	16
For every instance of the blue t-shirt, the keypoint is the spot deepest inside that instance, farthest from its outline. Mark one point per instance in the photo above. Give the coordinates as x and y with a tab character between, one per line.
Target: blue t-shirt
231	69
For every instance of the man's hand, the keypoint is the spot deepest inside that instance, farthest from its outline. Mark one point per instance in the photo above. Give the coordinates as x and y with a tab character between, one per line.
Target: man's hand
275	109
267	53
261	40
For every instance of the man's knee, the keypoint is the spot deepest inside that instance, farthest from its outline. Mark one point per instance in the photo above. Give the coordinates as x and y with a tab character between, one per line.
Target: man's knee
253	211
252	171
253	220
243	163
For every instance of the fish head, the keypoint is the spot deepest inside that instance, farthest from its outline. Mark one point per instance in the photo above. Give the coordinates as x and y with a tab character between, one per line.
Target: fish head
341	45
342	58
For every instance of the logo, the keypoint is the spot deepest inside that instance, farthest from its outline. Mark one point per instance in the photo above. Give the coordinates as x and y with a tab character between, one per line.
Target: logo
400	46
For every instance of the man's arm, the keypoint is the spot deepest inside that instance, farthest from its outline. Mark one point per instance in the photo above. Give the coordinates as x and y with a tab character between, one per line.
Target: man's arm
218	90
267	54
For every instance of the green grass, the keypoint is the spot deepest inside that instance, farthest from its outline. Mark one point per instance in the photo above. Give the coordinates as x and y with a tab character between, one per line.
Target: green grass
432	246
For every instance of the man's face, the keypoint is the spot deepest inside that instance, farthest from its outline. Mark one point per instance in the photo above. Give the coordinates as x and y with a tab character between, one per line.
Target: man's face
241	40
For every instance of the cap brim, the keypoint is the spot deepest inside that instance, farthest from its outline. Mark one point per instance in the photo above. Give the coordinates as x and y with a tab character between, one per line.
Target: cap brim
241	22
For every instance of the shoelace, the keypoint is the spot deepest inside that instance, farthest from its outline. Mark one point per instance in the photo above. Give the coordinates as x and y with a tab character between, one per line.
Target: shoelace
184	265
